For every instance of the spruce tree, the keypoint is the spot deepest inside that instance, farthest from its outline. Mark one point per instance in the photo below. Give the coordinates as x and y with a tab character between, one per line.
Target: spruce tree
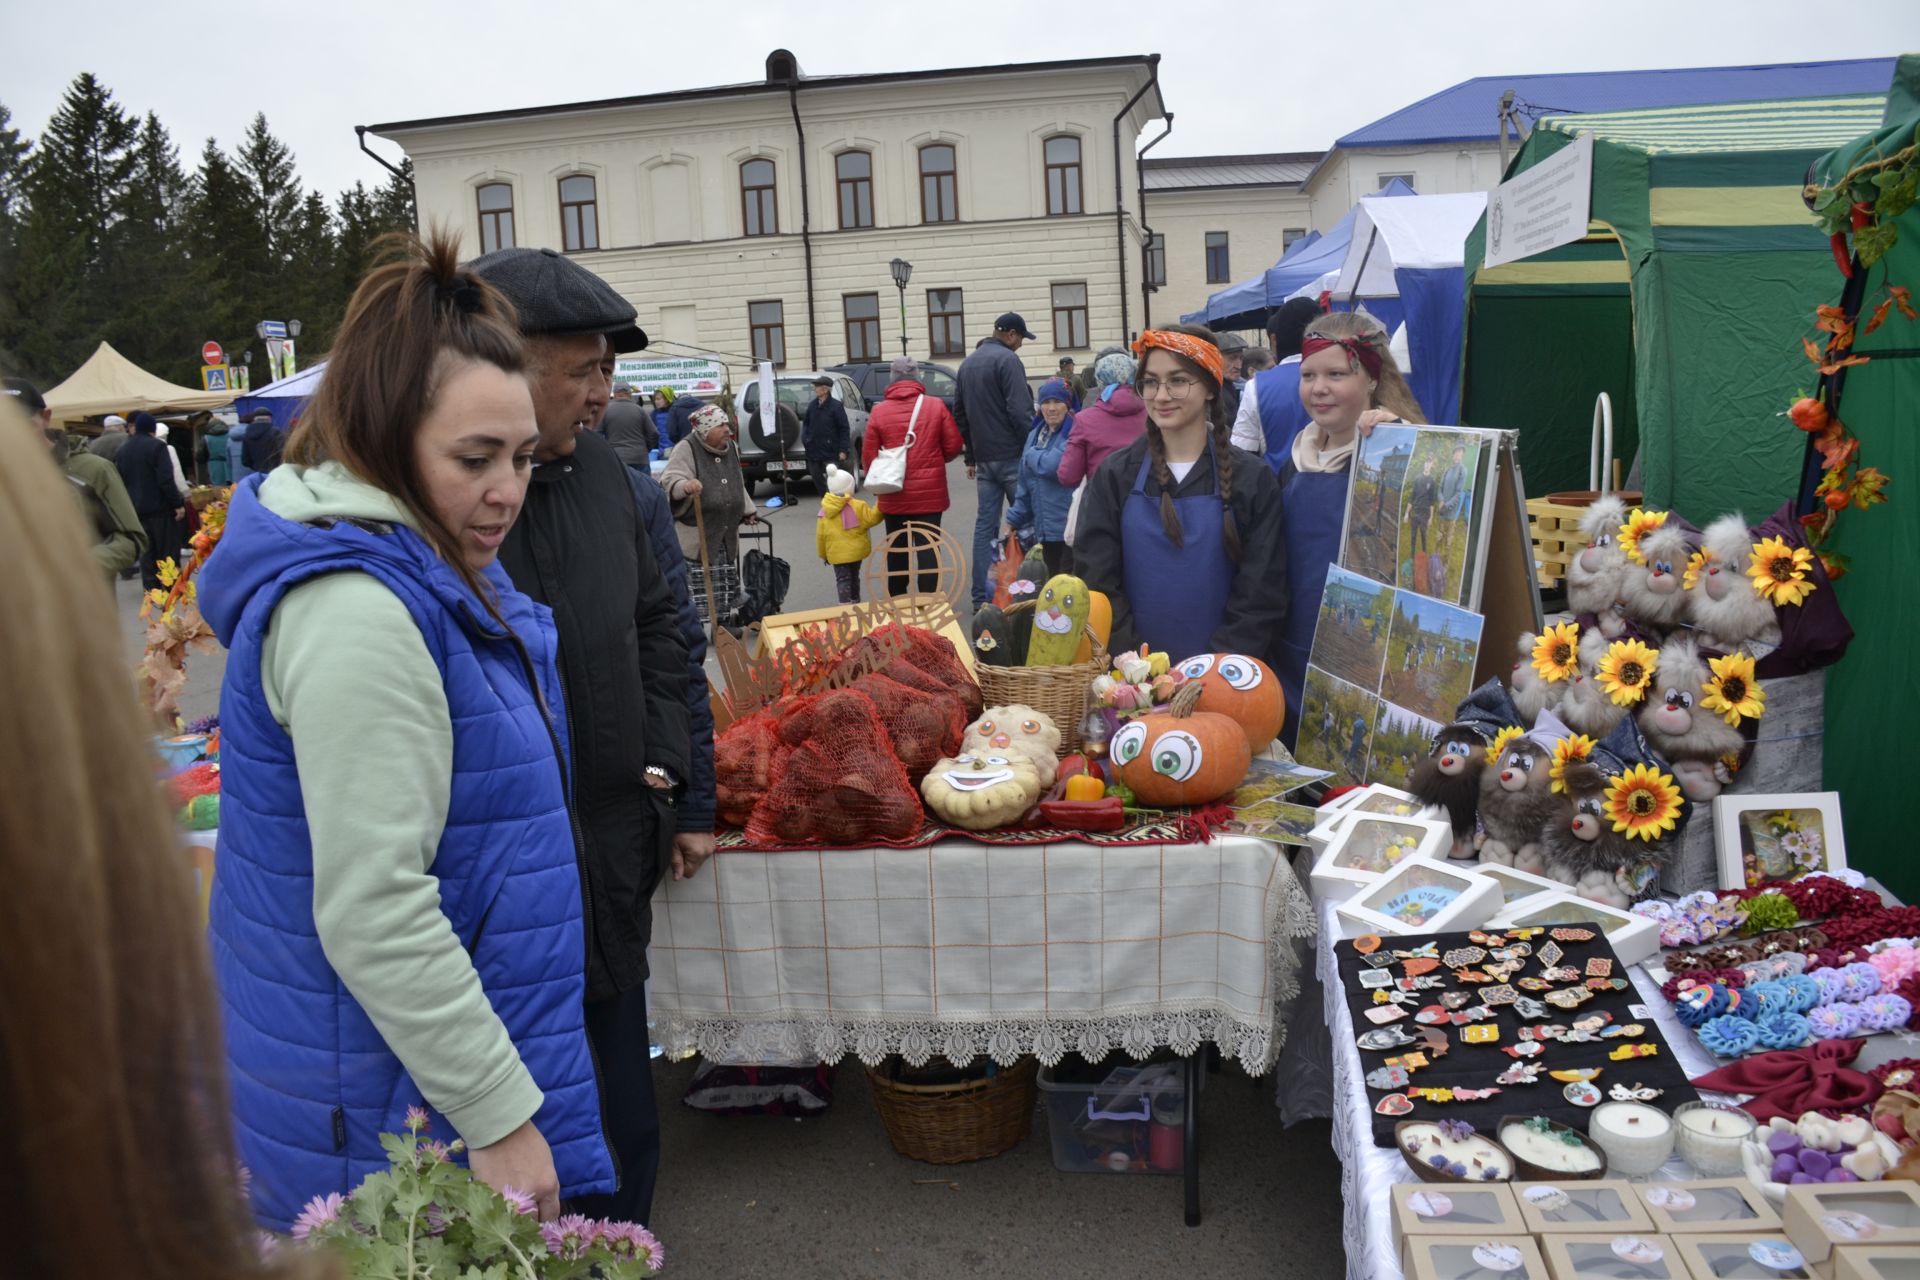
155	323
14	150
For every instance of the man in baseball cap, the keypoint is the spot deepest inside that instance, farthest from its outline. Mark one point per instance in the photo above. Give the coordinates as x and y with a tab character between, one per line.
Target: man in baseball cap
993	406
581	547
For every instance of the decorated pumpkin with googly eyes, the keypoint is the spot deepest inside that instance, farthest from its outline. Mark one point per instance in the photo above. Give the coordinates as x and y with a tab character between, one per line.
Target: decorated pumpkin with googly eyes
1017	727
1241	688
1170	759
980	790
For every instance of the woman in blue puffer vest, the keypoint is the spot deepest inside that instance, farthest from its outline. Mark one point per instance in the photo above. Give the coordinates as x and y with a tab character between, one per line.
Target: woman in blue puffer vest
396	910
1040	504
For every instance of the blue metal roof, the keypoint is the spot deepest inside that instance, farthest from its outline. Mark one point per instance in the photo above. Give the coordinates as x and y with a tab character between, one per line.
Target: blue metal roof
1469	111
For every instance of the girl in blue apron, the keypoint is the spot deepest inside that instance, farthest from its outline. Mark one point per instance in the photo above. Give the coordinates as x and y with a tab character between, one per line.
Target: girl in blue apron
1181	530
1349	384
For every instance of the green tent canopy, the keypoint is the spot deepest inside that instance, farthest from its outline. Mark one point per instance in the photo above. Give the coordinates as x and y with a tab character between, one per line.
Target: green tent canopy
1873	695
1686	302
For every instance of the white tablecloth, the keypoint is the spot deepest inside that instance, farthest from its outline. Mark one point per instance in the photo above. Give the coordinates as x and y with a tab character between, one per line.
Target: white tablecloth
963	948
1367	1171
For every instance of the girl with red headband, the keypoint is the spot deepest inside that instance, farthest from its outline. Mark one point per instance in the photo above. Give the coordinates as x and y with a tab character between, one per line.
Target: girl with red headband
1349	384
1181	530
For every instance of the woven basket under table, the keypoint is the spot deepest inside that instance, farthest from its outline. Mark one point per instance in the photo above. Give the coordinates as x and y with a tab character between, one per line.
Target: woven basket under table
955	1123
1060	691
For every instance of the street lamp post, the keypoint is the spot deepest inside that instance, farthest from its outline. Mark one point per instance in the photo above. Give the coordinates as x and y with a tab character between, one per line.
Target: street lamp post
902	272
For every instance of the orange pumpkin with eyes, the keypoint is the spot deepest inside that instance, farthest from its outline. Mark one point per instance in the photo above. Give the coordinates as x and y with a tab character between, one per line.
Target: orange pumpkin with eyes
1242	688
1173	759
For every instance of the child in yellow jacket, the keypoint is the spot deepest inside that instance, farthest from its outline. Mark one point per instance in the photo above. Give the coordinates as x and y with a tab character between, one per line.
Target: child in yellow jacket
840	533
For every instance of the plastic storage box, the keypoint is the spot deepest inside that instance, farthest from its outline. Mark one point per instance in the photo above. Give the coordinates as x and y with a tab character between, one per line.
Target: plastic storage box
1116	1117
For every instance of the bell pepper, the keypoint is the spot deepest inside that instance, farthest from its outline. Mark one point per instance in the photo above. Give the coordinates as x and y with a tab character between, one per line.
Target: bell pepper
1108	814
1084	787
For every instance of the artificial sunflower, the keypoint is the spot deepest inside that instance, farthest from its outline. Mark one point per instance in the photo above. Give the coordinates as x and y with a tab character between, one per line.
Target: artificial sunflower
1639	524
1626	671
1779	572
1556	654
1643	803
1565	752
1733	692
1501	740
1697	567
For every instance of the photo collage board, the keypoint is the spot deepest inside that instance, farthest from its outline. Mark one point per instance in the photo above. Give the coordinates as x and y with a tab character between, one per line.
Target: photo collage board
1398	636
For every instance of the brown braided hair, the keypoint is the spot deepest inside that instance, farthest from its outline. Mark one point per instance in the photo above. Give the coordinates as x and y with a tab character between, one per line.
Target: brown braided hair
1219	436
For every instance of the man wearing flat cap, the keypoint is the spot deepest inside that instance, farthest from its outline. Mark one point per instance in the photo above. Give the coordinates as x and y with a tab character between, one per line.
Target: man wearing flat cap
581	548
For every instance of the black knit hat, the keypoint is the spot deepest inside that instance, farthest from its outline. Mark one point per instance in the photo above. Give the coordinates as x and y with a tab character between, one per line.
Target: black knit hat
25	392
556	296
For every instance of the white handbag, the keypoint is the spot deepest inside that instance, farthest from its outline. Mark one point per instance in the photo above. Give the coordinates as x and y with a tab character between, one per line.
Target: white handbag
888	474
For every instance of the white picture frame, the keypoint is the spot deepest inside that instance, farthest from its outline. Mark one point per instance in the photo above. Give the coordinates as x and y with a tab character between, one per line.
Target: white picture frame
1473	902
1634	938
1375	798
1336	876
1766	836
1518	889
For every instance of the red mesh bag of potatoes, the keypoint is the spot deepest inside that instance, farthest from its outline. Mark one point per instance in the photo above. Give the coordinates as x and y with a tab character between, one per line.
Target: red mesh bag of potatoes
746	759
843	784
924	726
934	654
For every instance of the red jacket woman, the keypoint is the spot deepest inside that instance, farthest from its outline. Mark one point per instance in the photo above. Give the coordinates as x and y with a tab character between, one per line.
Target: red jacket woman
936	442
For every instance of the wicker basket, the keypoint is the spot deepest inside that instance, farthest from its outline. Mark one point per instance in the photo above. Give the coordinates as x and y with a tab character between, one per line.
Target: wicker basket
954	1123
1059	691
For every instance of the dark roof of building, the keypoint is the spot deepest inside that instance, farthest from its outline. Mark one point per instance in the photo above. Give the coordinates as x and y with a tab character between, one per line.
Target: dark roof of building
1469	111
752	87
1199	173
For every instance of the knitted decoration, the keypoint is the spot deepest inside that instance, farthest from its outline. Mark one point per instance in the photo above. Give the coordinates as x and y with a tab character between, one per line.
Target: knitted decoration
1763	999
1834	1021
1768	912
1699	1005
1802	993
1858	981
1729	1036
1883	1013
1831	981
1784	1031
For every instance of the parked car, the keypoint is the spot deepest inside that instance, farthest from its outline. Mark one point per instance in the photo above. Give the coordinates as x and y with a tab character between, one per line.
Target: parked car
764	455
872	379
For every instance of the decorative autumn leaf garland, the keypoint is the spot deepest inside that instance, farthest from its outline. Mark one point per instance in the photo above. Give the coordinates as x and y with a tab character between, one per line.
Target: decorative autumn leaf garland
1865	204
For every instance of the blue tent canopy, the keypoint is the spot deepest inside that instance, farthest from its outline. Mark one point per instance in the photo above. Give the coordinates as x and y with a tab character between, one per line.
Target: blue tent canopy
1245	305
285	399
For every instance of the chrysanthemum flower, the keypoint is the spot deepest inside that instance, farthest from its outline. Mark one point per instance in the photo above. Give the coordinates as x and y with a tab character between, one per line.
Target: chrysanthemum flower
520	1202
317	1213
417	1121
1643	803
1565	752
1639	524
1733	692
1626	671
1779	572
1502	740
1556	654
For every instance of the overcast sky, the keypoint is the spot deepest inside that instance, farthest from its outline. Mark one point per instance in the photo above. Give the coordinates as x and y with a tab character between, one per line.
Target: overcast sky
1263	76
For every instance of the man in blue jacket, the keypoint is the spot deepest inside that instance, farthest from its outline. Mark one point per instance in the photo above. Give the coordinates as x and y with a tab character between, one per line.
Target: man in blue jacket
993	407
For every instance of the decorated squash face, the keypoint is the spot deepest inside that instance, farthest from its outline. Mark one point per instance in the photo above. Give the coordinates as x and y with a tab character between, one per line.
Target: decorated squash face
1242	688
1170	759
1017	727
981	790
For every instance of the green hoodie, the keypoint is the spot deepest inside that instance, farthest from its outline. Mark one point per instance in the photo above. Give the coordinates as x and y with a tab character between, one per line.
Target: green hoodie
348	675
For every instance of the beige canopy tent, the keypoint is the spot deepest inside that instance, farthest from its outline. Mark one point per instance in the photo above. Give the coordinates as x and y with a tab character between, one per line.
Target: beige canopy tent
110	383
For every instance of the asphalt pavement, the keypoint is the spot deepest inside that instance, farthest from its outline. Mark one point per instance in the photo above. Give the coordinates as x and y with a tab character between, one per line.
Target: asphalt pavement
749	1197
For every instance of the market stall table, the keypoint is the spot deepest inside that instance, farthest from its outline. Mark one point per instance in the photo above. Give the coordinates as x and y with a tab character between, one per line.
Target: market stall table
962	948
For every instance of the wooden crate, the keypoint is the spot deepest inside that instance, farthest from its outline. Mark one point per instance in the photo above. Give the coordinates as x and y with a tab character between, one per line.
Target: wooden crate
1555	528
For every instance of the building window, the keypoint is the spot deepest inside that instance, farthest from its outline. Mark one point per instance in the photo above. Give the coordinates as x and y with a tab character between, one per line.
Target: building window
767	332
1069	316
759	215
579	214
1156	261
496	216
947	322
1385	178
1291	236
1217	258
863	325
938	174
1063	175
854	169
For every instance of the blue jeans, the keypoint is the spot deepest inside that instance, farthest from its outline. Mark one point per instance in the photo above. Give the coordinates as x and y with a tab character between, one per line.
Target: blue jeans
996	484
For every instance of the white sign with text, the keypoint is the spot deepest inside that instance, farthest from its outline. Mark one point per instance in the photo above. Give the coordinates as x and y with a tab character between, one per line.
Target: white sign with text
1543	208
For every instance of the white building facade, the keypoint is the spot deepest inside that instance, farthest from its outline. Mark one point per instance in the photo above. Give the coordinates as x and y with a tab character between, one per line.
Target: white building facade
1217	220
758	221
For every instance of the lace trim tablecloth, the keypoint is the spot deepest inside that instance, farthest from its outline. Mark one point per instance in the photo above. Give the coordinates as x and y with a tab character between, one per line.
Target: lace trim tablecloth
961	949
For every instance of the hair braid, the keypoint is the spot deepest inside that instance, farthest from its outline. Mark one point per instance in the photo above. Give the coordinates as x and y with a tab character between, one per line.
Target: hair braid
1222	441
1163	476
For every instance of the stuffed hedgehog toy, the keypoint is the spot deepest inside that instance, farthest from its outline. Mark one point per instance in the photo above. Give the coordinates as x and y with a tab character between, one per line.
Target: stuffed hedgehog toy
1728	613
1654	588
1448	781
1593	576
1581	848
1695	742
1516	800
1585	706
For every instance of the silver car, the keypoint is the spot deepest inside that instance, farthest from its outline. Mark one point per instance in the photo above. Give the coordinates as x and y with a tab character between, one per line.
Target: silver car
766	455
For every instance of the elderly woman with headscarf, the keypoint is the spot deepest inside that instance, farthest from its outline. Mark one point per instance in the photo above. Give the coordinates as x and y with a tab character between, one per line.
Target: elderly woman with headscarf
704	482
1112	419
